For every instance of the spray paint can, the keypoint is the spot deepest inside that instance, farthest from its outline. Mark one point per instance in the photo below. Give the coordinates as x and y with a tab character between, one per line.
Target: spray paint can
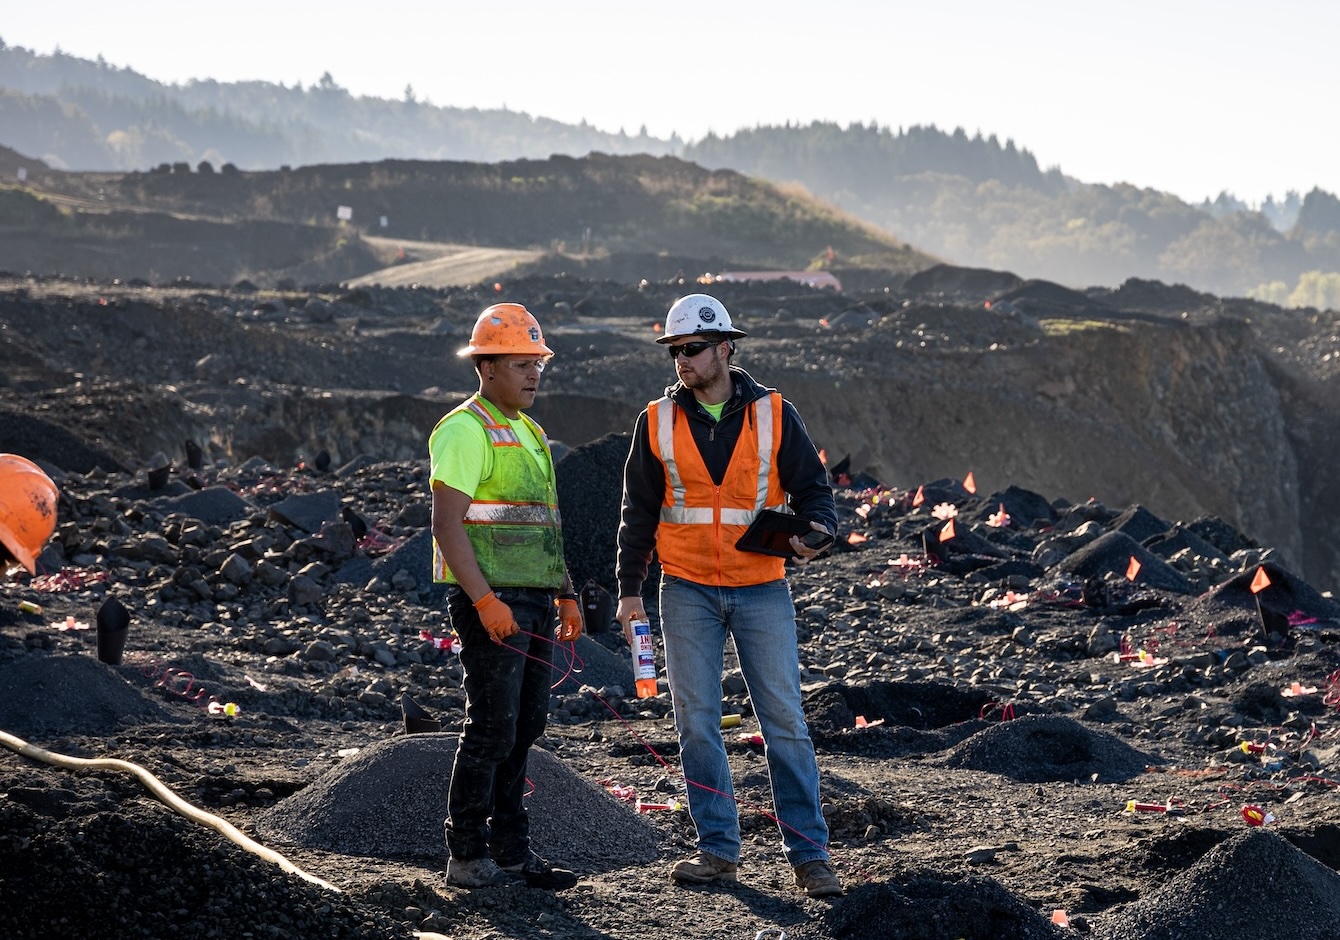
644	659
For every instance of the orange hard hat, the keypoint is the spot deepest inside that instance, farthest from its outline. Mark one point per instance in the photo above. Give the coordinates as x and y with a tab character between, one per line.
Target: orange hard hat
27	509
505	330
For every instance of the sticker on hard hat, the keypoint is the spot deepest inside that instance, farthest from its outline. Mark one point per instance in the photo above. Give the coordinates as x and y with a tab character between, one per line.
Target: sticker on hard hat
496	321
534	332
706	314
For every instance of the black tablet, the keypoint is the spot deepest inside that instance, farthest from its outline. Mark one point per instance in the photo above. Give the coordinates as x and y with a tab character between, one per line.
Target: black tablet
770	533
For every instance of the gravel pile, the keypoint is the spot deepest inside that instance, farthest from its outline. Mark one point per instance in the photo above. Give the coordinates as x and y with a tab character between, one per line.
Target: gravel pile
1255	884
1041	748
43	695
74	864
1111	553
390	800
931	909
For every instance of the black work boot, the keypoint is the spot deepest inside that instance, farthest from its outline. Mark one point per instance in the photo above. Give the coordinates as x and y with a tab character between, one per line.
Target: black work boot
540	874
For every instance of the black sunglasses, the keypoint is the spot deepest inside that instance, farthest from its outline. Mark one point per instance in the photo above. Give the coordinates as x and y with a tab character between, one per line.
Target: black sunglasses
691	349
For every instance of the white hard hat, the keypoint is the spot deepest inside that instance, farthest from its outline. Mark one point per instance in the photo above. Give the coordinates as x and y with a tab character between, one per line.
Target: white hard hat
698	313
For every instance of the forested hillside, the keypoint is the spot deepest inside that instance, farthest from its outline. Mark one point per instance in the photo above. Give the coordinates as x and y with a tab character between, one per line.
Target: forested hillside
81	115
988	204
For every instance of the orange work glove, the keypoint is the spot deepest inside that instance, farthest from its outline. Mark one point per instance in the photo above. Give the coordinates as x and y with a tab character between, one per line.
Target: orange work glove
496	617
569	618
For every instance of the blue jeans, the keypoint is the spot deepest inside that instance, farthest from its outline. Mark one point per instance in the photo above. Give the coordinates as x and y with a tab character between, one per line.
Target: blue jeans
506	708
695	621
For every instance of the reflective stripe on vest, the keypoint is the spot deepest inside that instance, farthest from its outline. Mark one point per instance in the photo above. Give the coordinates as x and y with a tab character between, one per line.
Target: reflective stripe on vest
501	435
700	521
513	522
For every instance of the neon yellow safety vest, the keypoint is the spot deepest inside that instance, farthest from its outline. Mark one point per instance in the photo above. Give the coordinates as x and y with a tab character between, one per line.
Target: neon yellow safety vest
513	521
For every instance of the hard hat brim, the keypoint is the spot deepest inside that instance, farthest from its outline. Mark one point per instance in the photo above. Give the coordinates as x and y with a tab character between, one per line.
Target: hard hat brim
540	350
724	334
16	549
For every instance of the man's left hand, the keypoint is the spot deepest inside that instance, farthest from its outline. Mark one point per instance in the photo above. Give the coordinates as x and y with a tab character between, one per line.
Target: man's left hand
804	552
569	620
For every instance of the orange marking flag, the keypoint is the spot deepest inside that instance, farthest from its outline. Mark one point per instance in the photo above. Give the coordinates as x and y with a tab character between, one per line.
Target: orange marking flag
1132	569
920	498
969	483
947	532
1261	581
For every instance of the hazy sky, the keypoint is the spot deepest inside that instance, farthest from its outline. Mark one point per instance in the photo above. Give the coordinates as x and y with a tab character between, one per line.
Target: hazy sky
1188	96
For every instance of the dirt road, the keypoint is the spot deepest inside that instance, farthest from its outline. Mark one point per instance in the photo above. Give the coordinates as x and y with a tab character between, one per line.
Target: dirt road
445	265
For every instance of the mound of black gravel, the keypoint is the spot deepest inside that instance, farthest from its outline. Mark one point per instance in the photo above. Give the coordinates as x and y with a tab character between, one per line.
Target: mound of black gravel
931	909
1286	594
390	801
140	871
1026	509
76	694
1221	535
1042	748
1110	554
1256	884
1139	523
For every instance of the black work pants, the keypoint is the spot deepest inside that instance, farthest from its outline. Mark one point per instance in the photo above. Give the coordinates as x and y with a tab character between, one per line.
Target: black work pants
506	707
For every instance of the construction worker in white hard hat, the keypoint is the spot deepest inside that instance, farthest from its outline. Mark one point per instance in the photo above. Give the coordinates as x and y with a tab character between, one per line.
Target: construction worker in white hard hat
27	512
498	545
706	460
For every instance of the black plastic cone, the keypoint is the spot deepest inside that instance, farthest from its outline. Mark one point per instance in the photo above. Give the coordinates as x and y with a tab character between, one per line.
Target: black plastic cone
417	721
113	628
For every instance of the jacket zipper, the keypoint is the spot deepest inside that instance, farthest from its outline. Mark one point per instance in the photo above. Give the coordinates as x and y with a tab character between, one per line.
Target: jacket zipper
716	525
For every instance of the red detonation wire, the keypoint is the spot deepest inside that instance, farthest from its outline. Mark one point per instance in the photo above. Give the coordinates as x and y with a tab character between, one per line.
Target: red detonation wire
175	681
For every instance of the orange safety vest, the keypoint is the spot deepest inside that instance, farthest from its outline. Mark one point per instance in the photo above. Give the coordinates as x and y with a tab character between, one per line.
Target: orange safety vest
700	521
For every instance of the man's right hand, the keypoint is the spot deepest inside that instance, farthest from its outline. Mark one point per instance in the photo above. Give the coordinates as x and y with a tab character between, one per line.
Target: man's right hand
496	617
630	609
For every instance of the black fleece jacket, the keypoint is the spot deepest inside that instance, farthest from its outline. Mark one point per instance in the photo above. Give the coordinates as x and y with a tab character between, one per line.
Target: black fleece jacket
803	476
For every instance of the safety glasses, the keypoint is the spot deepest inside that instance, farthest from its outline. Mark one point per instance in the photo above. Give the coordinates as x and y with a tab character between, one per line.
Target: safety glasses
690	350
527	365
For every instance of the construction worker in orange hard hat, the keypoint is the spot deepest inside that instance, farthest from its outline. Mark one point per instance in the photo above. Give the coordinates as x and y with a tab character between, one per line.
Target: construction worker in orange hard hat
27	512
498	546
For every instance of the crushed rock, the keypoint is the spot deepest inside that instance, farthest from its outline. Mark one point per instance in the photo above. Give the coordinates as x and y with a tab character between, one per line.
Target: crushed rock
1111	554
390	800
1042	748
43	696
1256	884
73	864
929	908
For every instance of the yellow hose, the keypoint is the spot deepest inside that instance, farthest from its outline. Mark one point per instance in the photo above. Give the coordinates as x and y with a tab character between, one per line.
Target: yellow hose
161	790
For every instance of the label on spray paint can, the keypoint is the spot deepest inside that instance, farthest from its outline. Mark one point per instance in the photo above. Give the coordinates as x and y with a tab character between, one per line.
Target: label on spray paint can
644	659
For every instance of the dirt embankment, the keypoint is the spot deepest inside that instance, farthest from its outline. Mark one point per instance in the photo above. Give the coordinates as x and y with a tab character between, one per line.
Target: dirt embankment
1182	418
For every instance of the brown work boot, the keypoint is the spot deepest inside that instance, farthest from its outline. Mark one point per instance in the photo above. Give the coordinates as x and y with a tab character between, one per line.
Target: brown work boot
476	873
702	867
817	879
